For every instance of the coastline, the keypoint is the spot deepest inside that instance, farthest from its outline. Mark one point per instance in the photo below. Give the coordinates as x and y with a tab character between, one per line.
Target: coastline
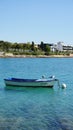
10	55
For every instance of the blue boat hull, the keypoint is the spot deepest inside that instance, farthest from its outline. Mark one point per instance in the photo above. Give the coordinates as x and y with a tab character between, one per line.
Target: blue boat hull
29	82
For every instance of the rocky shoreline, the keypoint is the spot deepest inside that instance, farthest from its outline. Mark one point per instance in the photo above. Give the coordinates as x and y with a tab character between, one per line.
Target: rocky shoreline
10	55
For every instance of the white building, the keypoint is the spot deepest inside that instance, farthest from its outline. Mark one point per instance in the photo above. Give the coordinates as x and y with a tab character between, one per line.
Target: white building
53	47
60	46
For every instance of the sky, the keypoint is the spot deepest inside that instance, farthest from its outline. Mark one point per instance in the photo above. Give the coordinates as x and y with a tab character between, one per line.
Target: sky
49	21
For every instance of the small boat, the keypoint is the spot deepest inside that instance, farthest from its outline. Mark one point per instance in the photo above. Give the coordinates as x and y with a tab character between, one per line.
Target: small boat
42	82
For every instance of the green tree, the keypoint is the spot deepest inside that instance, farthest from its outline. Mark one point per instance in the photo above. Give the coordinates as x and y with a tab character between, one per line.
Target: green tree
47	49
42	45
32	46
6	46
28	46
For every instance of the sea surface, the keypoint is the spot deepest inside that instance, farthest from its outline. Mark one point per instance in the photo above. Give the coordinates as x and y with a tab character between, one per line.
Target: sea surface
36	108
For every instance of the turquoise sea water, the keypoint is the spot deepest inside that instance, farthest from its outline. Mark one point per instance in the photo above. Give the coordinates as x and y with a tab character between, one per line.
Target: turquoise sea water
36	108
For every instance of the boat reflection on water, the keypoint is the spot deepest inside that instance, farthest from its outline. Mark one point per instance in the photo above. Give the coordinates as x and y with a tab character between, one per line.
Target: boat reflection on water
36	90
14	88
